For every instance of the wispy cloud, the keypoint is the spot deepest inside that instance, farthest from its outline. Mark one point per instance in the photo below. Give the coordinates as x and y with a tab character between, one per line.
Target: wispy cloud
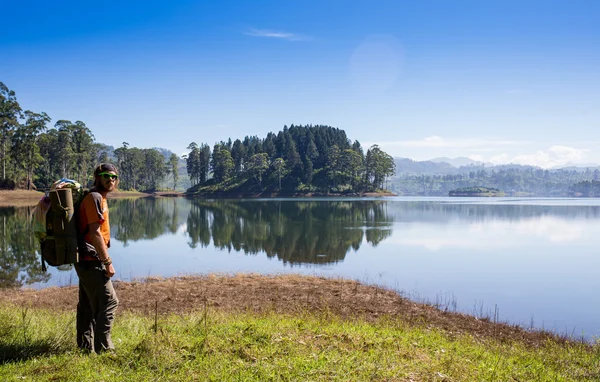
275	34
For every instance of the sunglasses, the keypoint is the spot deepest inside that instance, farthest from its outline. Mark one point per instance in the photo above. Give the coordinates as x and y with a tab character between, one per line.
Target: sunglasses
106	175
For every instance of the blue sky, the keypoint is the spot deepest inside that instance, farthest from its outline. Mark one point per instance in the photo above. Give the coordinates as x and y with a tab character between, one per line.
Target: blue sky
500	81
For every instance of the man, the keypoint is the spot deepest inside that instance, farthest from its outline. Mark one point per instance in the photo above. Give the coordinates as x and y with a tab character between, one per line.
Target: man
97	298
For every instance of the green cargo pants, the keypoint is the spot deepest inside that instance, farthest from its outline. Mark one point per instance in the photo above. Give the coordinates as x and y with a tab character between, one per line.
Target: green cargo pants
96	308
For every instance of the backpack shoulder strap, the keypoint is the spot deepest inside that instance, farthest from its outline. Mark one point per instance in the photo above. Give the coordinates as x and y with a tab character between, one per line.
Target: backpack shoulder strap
83	195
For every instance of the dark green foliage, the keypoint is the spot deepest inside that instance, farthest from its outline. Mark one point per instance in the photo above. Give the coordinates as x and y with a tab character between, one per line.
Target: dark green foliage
174	168
298	159
140	169
34	156
586	188
10	112
464	191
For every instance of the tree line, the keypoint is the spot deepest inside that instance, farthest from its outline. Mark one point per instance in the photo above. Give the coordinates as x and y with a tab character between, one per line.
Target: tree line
34	156
586	188
513	180
311	158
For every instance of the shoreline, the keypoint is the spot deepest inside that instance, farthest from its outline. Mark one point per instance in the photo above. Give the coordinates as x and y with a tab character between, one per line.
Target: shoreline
24	198
285	294
233	195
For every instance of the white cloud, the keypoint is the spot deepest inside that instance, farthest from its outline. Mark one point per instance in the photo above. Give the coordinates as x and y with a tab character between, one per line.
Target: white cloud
553	156
476	157
275	34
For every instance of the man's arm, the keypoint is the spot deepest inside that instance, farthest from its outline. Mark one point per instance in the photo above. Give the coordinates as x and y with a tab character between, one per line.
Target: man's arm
98	243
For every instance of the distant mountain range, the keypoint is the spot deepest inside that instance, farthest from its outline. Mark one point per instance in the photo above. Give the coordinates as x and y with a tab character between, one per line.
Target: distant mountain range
444	165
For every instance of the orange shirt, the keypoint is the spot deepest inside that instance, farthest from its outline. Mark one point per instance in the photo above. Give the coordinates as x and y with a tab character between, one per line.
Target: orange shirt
94	209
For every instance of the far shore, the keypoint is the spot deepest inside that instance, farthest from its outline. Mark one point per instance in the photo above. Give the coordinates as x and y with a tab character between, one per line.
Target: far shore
237	195
24	198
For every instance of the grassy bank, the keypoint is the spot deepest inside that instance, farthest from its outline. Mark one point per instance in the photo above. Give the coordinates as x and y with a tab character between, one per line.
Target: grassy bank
181	337
211	345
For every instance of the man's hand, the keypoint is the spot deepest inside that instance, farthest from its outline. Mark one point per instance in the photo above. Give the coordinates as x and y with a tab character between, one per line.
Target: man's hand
110	271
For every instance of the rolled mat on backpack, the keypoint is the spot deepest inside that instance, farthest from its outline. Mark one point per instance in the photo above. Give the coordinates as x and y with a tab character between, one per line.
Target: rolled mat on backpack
61	247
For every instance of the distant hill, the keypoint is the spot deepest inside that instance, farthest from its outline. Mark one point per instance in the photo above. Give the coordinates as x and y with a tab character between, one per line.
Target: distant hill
578	167
409	166
457	162
439	166
165	152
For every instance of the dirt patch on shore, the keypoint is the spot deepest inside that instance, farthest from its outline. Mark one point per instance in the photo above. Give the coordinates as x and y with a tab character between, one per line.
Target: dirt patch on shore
170	194
24	198
118	194
286	294
19	198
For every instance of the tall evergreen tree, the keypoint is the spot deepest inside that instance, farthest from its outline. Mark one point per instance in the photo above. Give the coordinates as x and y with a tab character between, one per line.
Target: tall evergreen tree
204	162
193	163
174	169
26	151
237	154
10	112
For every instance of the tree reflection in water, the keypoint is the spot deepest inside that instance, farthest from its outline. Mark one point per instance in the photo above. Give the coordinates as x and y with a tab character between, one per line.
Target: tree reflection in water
143	218
19	249
316	232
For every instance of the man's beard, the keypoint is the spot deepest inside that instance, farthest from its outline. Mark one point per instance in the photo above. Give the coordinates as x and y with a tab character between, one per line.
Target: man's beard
100	187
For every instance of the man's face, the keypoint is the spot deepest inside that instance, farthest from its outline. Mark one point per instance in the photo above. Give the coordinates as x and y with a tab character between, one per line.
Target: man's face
108	180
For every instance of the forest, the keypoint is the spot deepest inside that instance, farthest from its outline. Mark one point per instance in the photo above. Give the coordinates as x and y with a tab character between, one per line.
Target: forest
513	180
297	160
33	156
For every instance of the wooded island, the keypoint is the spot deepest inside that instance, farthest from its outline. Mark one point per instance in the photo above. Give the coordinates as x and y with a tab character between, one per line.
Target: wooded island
476	191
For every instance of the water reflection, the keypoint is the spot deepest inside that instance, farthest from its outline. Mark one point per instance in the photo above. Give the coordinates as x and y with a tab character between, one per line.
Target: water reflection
536	260
447	210
307	232
143	219
294	232
19	259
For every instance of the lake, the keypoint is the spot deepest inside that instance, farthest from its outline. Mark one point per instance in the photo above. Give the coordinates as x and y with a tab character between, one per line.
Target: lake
532	261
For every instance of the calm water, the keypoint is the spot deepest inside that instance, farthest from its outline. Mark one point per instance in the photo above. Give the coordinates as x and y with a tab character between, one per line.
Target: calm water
534	260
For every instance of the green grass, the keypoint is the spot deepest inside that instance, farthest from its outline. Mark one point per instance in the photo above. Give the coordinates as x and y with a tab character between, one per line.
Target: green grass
215	346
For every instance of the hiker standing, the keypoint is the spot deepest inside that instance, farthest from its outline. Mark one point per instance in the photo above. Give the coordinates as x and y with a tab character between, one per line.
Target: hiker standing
97	298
